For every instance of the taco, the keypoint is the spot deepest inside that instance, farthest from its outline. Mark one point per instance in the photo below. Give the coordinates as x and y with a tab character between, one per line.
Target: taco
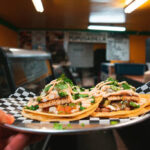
61	100
43	117
119	100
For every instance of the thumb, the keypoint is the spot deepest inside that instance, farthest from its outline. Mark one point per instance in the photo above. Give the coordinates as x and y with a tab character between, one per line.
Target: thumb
6	118
18	142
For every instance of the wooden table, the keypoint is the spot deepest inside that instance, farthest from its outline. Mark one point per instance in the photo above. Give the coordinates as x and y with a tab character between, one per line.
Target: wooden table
136	78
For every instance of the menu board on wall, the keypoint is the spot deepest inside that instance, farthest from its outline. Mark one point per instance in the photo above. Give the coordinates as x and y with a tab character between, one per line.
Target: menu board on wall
81	55
87	37
117	49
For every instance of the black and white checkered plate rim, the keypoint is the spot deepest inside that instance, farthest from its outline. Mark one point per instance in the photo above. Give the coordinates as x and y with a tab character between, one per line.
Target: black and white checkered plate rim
14	104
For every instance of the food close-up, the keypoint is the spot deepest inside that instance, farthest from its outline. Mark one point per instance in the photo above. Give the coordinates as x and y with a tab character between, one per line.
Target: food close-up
74	71
61	100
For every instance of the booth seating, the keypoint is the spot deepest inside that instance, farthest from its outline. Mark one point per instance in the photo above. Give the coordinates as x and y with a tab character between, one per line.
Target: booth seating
129	69
130	72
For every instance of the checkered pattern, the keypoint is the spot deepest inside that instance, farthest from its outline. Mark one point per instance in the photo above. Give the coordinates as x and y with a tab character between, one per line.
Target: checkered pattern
102	121
13	105
145	89
22	94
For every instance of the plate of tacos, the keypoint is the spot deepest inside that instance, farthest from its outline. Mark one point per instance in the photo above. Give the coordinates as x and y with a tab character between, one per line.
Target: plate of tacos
63	107
119	100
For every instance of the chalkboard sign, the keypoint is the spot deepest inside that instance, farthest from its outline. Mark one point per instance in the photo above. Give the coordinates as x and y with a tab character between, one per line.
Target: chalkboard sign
117	49
81	55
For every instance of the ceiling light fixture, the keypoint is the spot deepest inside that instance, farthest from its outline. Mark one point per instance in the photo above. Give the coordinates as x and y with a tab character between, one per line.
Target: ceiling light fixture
105	16
128	2
38	5
106	28
134	5
100	1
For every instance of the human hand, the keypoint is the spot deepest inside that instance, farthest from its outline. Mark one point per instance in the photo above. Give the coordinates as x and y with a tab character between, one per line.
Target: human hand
11	140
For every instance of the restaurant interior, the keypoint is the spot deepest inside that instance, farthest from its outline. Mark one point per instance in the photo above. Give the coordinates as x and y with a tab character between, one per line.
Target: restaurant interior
88	41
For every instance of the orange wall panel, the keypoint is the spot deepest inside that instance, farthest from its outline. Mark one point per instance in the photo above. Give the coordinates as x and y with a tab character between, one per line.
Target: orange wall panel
8	37
99	46
137	48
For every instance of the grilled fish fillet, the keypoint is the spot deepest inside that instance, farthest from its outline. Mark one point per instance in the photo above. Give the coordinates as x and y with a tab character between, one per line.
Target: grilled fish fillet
54	102
125	97
118	93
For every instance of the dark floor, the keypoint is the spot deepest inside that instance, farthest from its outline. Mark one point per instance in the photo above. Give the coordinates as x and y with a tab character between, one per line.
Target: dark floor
135	137
103	140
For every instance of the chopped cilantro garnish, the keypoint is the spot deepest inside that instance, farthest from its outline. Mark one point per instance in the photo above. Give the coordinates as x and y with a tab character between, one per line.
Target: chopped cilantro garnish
72	105
113	122
93	97
59	126
39	99
115	88
69	125
32	107
82	124
75	89
90	89
47	88
113	81
62	77
65	79
82	89
77	96
83	95
61	86
93	101
62	94
110	79
126	86
81	107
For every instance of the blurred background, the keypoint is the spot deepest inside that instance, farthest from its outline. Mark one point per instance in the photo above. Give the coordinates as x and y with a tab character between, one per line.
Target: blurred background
88	40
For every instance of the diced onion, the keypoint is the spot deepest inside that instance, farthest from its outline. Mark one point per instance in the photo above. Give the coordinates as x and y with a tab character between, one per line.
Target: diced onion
53	110
111	107
44	100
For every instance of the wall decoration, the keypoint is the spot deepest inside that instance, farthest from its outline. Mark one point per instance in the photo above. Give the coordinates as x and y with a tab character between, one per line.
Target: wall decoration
25	40
38	40
117	48
55	45
60	43
51	41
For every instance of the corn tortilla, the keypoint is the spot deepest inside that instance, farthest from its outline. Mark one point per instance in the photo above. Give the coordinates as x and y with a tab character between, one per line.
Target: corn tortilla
42	117
124	113
51	117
